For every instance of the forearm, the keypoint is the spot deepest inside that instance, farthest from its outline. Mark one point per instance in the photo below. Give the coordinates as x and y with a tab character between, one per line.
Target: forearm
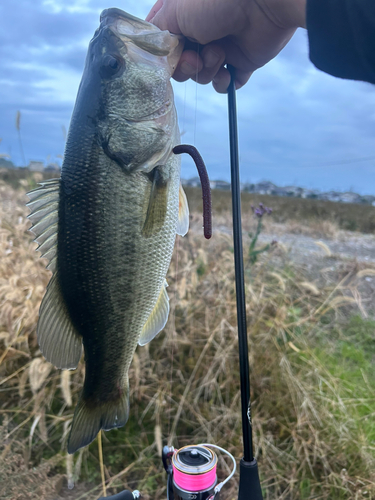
284	13
248	33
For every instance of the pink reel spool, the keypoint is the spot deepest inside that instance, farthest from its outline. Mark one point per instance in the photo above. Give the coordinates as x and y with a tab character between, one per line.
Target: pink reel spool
194	469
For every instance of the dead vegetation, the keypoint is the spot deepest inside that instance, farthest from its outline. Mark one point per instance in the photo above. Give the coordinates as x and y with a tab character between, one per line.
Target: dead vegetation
312	383
314	213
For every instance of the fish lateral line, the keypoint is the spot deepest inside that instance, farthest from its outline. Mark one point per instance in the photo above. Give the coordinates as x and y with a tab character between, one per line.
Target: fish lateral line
205	184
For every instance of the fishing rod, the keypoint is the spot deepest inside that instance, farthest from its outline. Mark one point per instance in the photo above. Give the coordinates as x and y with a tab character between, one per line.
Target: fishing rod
191	470
249	477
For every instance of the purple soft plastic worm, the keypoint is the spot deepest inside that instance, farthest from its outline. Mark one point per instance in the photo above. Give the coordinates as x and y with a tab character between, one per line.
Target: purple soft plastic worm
205	183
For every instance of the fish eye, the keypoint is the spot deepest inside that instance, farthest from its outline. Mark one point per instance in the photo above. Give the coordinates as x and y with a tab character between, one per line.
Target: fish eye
111	62
110	66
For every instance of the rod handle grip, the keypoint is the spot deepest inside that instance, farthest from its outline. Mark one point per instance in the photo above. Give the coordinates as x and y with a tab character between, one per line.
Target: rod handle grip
249	481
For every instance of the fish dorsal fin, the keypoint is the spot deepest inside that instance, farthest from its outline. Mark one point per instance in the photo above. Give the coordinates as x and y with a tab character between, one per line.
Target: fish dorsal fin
157	205
44	203
157	319
58	340
183	213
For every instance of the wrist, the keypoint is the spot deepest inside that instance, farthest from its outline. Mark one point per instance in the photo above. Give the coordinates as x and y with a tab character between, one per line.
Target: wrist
295	13
286	14
301	13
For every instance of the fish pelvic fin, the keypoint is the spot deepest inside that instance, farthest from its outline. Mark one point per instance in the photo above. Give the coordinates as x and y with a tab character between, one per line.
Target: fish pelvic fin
90	418
183	213
157	204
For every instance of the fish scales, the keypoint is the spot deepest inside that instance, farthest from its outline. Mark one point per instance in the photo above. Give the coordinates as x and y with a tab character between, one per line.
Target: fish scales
114	284
108	226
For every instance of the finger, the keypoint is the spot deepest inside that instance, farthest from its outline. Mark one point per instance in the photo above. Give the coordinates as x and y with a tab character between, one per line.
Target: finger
221	80
165	16
235	56
154	10
213	57
242	77
189	65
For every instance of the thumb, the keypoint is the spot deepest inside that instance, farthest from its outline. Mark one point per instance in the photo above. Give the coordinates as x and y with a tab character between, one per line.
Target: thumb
163	15
154	10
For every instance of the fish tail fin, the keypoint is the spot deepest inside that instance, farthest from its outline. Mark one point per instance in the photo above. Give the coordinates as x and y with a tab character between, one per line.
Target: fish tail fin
89	419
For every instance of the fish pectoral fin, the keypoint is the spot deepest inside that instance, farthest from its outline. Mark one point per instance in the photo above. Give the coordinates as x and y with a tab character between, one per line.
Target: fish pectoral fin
157	205
157	319
58	340
183	213
44	202
89	418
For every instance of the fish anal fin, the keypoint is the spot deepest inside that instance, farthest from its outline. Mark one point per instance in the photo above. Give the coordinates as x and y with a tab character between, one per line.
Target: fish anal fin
90	418
58	340
157	205
183	213
157	319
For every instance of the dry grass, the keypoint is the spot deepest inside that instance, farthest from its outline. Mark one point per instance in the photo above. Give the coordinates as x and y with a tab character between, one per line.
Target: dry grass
346	216
312	423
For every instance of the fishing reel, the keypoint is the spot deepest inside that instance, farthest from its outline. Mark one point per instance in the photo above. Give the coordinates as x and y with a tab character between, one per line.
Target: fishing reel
191	472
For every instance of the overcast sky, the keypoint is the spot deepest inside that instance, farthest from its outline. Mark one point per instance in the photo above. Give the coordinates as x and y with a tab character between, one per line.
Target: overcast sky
297	125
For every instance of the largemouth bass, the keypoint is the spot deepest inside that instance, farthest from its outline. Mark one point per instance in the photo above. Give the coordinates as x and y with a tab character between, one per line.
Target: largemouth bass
108	225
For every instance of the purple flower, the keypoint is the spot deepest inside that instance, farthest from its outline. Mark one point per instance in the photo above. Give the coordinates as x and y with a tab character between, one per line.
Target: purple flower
262	210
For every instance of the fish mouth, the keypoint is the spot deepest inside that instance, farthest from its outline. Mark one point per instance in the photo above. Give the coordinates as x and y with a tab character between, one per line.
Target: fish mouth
144	35
137	26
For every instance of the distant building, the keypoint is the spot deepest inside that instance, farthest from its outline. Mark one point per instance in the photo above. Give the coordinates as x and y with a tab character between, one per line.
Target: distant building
52	167
310	193
330	196
36	166
268	188
264	187
279	191
248	188
350	198
194	182
223	185
293	191
5	163
368	199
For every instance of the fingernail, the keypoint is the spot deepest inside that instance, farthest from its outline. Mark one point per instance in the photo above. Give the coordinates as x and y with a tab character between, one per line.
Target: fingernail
187	69
211	58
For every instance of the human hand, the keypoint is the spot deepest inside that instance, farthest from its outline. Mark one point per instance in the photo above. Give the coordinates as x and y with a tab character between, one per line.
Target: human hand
243	33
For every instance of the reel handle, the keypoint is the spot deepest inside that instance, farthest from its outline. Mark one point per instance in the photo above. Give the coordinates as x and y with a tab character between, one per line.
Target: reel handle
124	495
166	456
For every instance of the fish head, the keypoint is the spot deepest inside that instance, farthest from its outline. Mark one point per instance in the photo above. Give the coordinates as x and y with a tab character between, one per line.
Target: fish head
127	81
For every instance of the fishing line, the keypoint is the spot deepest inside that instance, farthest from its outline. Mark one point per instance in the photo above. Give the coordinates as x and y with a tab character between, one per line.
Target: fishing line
173	331
184	113
196	98
101	463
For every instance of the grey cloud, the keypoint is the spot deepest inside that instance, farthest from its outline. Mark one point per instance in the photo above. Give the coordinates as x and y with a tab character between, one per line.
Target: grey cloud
295	122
